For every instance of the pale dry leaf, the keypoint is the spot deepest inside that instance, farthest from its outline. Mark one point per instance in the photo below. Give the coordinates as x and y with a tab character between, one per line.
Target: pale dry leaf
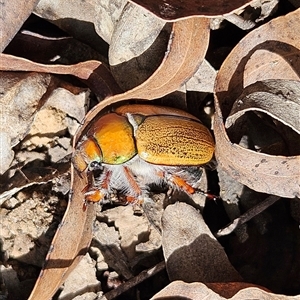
203	80
82	19
13	15
191	251
256	293
74	106
129	38
6	153
189	291
268	52
270	174
217	291
278	98
21	96
278	59
129	52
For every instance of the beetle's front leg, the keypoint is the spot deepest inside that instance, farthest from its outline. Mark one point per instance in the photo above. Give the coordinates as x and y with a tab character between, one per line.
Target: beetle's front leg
97	192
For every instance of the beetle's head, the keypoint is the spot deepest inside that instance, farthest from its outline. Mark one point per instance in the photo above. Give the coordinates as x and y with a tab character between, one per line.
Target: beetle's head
87	155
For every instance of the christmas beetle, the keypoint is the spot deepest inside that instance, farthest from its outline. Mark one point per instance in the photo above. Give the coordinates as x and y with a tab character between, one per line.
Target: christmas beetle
139	145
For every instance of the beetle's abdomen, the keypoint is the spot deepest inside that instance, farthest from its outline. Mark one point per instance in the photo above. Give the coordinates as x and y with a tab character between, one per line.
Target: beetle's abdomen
169	140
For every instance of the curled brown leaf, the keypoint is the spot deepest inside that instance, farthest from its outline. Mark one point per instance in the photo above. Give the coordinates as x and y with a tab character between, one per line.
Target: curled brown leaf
217	291
277	98
266	173
93	72
176	9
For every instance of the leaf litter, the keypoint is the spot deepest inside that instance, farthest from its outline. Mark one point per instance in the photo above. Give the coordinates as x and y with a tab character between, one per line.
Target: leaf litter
125	241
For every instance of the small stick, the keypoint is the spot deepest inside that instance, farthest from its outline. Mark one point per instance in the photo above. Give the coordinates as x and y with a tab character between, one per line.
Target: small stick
252	212
133	282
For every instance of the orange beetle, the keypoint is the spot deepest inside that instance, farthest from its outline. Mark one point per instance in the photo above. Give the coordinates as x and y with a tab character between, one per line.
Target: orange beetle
139	145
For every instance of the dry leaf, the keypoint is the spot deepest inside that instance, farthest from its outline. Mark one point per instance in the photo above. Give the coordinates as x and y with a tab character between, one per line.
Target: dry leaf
217	291
86	21
191	251
13	15
21	96
203	80
69	244
189	291
73	238
277	98
176	9
261	172
137	47
73	105
93	72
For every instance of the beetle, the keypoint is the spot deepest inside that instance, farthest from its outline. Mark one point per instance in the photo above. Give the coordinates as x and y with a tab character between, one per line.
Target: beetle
138	145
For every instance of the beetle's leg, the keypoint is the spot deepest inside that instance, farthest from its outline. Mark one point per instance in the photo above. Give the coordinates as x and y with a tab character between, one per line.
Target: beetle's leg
132	188
93	193
183	185
133	185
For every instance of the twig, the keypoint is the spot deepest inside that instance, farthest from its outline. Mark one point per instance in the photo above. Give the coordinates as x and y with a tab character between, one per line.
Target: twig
133	282
254	211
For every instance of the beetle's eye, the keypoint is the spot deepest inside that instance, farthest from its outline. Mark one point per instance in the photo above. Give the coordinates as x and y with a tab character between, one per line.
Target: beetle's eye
95	165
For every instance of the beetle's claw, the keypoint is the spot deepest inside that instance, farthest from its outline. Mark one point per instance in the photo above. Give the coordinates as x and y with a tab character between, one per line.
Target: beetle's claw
208	195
